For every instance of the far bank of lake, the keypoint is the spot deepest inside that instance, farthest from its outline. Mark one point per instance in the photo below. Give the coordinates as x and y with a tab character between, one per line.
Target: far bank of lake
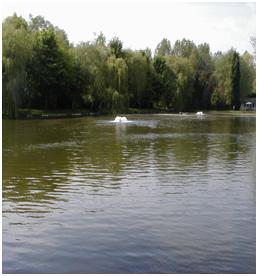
27	114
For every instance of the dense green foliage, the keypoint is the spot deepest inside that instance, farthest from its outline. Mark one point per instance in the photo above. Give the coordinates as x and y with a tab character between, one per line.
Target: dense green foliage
43	70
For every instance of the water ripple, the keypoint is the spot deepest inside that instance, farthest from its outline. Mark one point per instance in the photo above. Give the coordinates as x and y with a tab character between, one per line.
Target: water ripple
163	194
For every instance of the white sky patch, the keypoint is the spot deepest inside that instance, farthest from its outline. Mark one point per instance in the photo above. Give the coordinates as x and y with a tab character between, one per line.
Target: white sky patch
141	24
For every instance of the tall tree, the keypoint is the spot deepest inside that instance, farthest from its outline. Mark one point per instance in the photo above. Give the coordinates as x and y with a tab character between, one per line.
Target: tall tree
42	69
164	82
100	41
118	83
253	43
202	67
94	58
247	78
221	96
163	48
183	48
227	76
138	67
38	23
235	81
184	80
17	51
77	81
116	47
47	69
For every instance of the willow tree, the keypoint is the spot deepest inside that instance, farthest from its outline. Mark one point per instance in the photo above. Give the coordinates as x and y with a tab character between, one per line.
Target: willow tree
93	58
77	80
184	79
221	95
137	74
17	51
117	83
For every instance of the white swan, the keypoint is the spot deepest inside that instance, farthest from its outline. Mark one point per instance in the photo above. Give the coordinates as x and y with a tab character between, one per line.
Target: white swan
120	119
199	113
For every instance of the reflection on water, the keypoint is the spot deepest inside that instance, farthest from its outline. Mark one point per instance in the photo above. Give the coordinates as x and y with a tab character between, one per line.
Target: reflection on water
161	194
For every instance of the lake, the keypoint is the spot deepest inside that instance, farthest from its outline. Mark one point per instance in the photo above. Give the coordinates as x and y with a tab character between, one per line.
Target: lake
160	194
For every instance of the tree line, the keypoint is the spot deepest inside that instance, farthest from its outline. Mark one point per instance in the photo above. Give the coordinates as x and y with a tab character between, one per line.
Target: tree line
41	69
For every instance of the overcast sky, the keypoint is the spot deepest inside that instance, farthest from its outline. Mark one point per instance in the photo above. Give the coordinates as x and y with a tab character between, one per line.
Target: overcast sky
141	24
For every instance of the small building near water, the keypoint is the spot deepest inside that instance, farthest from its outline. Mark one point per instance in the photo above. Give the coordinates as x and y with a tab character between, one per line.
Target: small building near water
248	105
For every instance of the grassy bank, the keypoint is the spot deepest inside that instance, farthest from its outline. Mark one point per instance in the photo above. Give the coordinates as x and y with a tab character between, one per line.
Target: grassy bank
50	114
63	113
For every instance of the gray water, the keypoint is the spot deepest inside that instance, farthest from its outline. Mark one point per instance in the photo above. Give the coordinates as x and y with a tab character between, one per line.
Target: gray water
161	194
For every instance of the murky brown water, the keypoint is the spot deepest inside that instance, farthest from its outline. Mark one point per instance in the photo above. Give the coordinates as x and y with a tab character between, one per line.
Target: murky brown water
162	194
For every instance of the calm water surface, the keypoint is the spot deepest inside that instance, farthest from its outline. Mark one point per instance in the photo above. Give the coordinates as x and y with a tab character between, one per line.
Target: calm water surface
162	194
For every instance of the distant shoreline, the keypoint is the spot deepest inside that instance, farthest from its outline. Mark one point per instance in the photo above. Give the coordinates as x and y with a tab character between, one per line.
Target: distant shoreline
64	114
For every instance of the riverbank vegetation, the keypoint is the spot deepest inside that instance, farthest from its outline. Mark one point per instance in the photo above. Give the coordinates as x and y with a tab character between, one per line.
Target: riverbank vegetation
42	70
